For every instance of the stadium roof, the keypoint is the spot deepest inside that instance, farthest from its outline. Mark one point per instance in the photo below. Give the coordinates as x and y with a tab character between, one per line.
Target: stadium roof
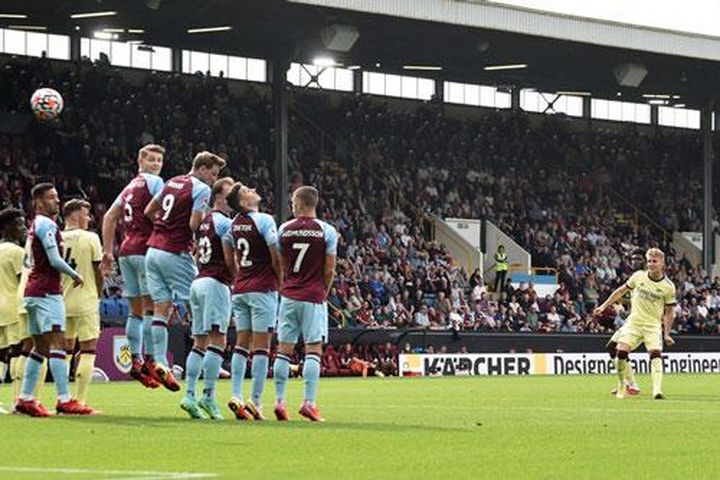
264	28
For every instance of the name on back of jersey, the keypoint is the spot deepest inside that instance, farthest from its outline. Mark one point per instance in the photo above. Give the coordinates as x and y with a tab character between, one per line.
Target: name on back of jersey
303	233
175	185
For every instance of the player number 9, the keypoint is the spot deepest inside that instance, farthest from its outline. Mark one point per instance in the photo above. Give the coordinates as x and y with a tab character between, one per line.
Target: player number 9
167	204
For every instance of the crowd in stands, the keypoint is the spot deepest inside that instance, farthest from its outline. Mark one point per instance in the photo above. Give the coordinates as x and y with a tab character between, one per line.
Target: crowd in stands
550	184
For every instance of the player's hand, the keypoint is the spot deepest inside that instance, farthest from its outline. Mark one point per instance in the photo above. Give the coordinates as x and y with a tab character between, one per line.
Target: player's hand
669	340
106	265
78	281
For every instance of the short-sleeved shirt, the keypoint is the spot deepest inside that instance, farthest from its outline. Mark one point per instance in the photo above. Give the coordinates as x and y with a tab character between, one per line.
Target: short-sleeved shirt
11	265
82	249
649	298
178	199
133	200
210	258
304	243
44	280
252	235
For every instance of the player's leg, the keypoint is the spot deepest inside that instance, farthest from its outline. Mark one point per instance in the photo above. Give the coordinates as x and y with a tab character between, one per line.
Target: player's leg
88	333
159	265
217	310
654	345
238	362
194	360
314	330
288	332
611	347
264	315
148	367
129	269
4	359
52	308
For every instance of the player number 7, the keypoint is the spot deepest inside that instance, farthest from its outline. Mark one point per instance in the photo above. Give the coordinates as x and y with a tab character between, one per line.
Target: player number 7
303	248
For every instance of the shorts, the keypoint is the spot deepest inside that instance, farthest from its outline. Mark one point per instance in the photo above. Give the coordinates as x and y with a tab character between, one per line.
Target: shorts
5	334
209	305
45	314
83	327
633	335
256	311
18	330
306	318
169	275
132	268
614	337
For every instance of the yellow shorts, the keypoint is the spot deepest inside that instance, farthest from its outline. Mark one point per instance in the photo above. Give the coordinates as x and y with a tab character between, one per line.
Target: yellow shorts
83	327
5	334
16	332
633	335
615	336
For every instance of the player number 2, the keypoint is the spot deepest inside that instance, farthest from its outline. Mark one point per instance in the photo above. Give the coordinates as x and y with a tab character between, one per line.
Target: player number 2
167	204
243	247
303	248
204	250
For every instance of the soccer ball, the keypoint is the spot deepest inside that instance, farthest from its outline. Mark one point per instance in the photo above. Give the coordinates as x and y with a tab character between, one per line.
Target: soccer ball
46	103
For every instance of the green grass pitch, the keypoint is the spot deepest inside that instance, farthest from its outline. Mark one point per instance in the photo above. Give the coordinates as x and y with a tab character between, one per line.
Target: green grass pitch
450	428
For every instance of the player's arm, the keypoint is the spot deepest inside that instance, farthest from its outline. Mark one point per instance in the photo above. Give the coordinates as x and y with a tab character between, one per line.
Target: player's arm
201	202
614	297
152	208
47	238
109	227
668	320
229	254
98	278
329	272
277	264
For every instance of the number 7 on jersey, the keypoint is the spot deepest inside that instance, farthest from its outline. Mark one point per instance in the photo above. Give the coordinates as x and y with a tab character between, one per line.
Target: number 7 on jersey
303	248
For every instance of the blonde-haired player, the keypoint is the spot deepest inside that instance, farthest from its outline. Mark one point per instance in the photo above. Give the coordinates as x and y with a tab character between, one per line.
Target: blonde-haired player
83	252
652	312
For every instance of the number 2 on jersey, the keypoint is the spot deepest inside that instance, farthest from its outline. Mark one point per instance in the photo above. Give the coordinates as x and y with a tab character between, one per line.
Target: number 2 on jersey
303	248
243	247
167	204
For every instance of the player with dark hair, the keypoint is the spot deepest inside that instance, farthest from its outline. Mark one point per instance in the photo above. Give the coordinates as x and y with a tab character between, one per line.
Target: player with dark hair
177	212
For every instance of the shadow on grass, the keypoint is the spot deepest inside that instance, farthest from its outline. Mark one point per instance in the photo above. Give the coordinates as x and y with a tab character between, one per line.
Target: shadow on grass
166	422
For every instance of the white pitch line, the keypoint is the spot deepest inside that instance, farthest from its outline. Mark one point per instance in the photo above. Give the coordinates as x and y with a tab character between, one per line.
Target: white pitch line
129	474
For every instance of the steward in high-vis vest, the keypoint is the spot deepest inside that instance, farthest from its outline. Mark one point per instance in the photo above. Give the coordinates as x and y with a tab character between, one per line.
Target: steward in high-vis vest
501	268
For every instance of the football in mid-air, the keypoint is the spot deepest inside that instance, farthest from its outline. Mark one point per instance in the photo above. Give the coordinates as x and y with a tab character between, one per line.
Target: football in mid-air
46	103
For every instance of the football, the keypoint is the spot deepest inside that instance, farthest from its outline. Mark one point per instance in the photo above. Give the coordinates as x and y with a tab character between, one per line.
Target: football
46	103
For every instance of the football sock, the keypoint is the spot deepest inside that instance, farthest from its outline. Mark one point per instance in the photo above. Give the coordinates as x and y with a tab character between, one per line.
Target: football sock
59	370
160	340
281	370
193	368
211	364
83	375
147	337
311	375
259	370
656	372
134	332
238	366
33	366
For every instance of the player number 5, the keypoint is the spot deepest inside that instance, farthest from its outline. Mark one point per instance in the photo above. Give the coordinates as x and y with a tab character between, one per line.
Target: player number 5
303	248
128	209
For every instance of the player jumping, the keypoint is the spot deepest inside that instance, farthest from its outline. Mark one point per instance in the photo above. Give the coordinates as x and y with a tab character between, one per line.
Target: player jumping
177	211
